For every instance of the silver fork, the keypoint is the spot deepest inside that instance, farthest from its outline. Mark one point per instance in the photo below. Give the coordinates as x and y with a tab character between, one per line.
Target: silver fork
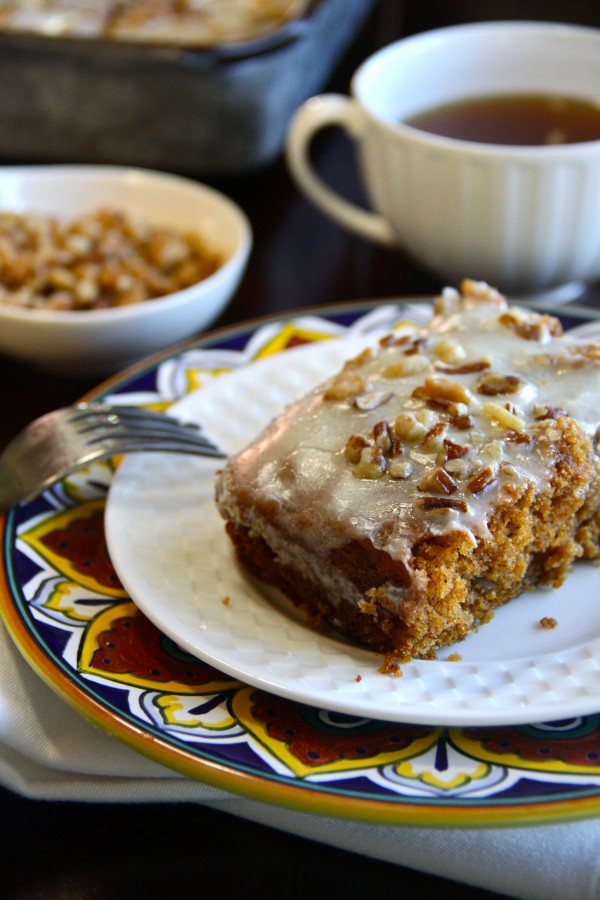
68	439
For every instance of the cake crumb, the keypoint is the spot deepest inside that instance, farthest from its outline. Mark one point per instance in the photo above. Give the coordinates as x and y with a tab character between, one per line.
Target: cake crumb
390	666
455	657
226	601
548	622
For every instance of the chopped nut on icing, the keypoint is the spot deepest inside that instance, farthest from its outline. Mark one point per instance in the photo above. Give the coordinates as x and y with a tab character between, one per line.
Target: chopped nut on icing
433	440
353	449
449	351
453	450
372	399
430	504
400	469
406	365
462	421
482	480
468	368
443	389
438	481
372	463
502	417
408	428
530	325
492	384
548	412
346	386
382	436
493	451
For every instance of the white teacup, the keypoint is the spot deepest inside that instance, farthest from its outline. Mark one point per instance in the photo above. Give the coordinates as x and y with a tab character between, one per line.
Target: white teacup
523	218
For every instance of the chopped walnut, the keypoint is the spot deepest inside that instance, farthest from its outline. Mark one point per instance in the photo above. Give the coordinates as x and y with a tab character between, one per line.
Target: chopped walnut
408	428
494	450
438	481
399	340
502	417
101	259
442	389
345	386
458	467
353	449
462	422
482	480
372	400
453	450
382	436
431	504
372	463
471	368
357	362
492	384
405	366
400	470
570	357
531	325
518	437
433	440
480	290
548	412
449	351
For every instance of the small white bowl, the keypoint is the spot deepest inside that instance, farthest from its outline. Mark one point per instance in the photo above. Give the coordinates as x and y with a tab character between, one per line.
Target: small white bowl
99	342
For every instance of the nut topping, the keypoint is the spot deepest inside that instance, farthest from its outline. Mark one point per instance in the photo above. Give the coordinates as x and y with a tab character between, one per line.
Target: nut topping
502	417
492	384
442	389
429	504
353	449
372	463
548	412
462	422
345	386
482	480
454	451
406	365
478	365
372	399
449	351
408	428
433	440
400	470
438	481
531	325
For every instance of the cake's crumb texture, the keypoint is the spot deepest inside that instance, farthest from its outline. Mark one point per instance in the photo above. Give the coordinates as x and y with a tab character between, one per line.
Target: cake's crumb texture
439	475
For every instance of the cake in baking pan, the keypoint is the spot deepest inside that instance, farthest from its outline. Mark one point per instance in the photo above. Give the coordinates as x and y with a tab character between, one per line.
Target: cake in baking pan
196	23
437	476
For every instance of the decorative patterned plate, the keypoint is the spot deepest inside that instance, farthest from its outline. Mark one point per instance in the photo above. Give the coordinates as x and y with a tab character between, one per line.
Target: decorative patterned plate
72	619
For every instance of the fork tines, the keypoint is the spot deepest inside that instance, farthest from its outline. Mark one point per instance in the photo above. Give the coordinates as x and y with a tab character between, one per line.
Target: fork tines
132	427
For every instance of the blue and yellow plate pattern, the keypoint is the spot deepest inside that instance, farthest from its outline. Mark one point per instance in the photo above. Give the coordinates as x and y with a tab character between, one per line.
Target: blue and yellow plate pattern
66	610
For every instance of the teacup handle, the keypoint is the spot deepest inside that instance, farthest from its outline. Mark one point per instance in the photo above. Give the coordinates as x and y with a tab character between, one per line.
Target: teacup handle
327	111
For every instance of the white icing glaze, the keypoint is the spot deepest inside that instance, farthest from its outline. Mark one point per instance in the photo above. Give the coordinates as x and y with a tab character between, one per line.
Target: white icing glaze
298	475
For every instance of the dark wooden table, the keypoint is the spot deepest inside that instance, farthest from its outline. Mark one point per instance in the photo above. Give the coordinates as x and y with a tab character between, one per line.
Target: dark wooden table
62	850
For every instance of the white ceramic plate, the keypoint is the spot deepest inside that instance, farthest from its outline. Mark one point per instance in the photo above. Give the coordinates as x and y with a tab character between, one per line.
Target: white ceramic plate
169	548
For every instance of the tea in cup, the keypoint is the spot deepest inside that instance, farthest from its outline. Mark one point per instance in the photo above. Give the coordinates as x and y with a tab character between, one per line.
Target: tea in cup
479	148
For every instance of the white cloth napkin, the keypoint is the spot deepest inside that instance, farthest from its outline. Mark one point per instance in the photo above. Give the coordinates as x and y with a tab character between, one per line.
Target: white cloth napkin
50	752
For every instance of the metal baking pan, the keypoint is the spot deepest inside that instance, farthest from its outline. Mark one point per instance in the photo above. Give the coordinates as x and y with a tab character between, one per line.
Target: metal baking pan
208	111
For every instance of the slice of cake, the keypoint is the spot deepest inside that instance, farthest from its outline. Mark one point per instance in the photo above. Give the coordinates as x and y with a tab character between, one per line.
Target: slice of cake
431	480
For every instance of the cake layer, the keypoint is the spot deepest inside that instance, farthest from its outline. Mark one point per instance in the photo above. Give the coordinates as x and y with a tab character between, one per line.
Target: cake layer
434	478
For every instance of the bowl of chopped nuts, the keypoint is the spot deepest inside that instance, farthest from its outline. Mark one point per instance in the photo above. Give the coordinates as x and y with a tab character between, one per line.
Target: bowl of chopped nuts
103	265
